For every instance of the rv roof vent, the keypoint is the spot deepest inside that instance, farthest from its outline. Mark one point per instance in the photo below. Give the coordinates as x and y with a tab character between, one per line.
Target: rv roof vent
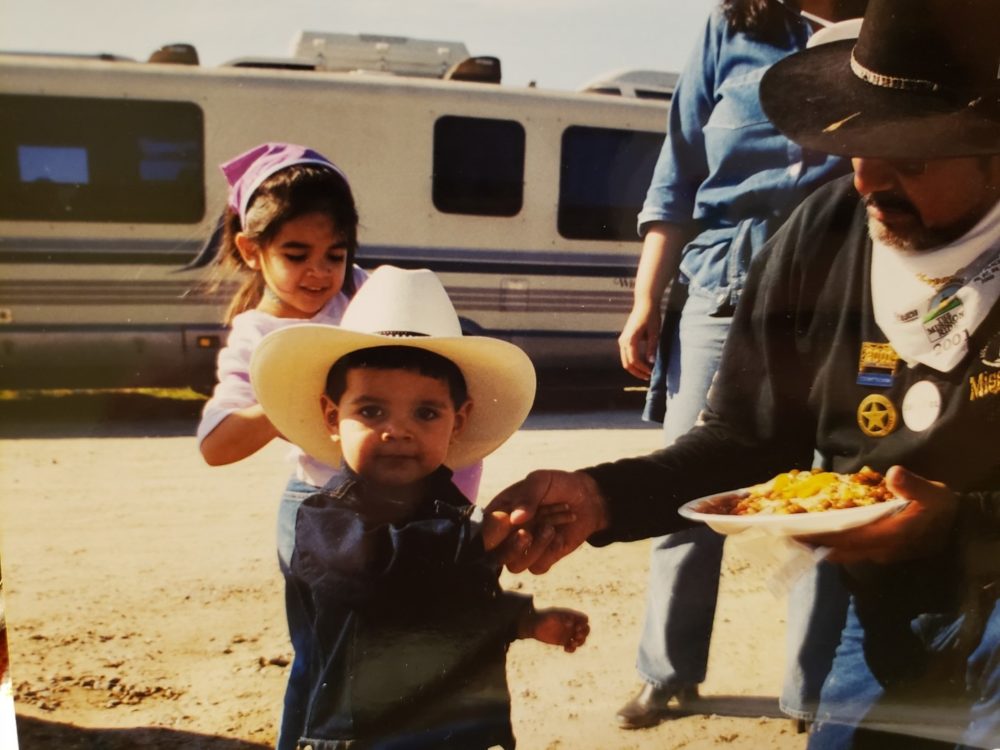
177	54
271	63
640	84
476	69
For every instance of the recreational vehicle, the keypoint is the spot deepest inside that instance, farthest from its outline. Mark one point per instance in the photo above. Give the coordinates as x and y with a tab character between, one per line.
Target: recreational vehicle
522	199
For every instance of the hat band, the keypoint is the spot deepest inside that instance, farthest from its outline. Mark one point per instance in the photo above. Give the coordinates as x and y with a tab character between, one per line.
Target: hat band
401	334
891	82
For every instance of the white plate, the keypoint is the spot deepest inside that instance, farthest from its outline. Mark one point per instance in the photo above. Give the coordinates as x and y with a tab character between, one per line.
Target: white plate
790	524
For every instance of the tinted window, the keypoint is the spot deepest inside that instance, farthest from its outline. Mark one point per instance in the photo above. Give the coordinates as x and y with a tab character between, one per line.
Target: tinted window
604	175
478	166
74	159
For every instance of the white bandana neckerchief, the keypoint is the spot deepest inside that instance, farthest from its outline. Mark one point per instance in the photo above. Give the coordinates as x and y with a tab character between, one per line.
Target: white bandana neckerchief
931	323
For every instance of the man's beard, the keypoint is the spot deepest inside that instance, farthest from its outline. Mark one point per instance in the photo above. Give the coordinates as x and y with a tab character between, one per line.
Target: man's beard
914	237
879	232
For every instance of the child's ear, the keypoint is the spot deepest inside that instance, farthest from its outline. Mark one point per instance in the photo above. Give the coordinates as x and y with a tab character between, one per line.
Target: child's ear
461	417
331	416
249	251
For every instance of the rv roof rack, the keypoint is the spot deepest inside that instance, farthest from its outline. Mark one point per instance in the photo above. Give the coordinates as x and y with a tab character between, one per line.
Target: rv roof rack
374	54
399	55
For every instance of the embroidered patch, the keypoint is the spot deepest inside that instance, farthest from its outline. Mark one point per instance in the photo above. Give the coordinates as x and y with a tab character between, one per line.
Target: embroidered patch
877	364
989	355
987	383
984	384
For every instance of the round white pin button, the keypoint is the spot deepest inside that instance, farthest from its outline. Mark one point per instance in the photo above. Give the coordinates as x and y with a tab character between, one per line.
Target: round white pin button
921	406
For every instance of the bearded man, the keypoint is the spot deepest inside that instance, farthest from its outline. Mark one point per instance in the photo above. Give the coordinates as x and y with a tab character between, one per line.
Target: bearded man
869	333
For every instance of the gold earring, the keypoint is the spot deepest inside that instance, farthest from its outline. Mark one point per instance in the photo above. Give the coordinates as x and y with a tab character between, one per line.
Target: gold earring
335	438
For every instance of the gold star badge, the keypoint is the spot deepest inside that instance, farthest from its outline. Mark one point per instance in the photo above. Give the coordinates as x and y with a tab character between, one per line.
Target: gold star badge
877	416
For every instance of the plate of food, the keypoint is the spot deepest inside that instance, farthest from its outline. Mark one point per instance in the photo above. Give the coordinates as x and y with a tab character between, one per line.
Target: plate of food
798	503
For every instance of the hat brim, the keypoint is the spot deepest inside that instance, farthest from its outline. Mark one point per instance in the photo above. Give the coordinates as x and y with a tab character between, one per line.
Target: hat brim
814	98
289	368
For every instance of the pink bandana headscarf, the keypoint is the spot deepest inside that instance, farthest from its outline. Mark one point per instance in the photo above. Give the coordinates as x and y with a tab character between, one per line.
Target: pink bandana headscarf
246	172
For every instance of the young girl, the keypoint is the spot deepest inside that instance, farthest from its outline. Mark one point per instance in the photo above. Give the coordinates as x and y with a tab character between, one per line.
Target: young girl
291	228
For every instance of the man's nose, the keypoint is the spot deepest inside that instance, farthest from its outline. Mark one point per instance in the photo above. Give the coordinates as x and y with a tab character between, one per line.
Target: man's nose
873	175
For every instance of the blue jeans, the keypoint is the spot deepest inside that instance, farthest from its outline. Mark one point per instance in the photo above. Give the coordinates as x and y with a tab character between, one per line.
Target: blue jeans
684	567
967	710
817	609
296	703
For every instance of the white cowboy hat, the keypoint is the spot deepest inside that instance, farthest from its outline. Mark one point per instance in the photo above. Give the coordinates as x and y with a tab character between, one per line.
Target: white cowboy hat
836	32
289	367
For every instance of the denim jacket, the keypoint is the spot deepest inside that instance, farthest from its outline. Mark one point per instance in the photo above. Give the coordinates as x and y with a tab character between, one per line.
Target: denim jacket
410	626
724	165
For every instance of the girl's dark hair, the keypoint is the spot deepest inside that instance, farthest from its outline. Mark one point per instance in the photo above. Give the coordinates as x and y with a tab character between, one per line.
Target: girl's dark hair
766	19
292	192
399	357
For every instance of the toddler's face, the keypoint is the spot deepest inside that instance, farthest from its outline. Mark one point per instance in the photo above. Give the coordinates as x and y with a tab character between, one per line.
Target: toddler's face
395	426
303	266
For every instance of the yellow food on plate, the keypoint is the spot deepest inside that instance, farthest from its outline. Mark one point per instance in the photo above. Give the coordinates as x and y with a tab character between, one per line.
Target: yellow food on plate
813	491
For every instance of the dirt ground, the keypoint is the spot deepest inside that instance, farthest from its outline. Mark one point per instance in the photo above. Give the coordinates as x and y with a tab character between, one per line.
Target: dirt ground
144	602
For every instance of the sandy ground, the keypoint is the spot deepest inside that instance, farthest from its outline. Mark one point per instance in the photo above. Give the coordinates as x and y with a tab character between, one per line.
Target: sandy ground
144	602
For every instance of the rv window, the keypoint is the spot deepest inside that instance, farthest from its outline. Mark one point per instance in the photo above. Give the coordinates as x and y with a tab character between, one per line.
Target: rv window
603	178
75	159
478	166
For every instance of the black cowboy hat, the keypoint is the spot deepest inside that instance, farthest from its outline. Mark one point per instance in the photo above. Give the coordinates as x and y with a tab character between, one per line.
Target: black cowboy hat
921	81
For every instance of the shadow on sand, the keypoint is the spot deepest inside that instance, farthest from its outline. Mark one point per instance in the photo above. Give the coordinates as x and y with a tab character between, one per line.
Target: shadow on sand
35	734
747	706
96	415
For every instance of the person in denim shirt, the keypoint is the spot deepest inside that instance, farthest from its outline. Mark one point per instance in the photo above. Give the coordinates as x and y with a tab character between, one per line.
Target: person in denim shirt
725	180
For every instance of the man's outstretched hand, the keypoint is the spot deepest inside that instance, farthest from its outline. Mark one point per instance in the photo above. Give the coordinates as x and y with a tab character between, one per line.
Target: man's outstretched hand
920	529
541	539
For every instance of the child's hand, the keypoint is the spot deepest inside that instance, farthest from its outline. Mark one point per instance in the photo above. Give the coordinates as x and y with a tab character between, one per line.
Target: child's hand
495	529
498	525
558	627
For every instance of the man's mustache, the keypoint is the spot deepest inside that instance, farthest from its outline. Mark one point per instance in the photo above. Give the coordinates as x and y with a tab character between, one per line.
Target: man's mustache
887	201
